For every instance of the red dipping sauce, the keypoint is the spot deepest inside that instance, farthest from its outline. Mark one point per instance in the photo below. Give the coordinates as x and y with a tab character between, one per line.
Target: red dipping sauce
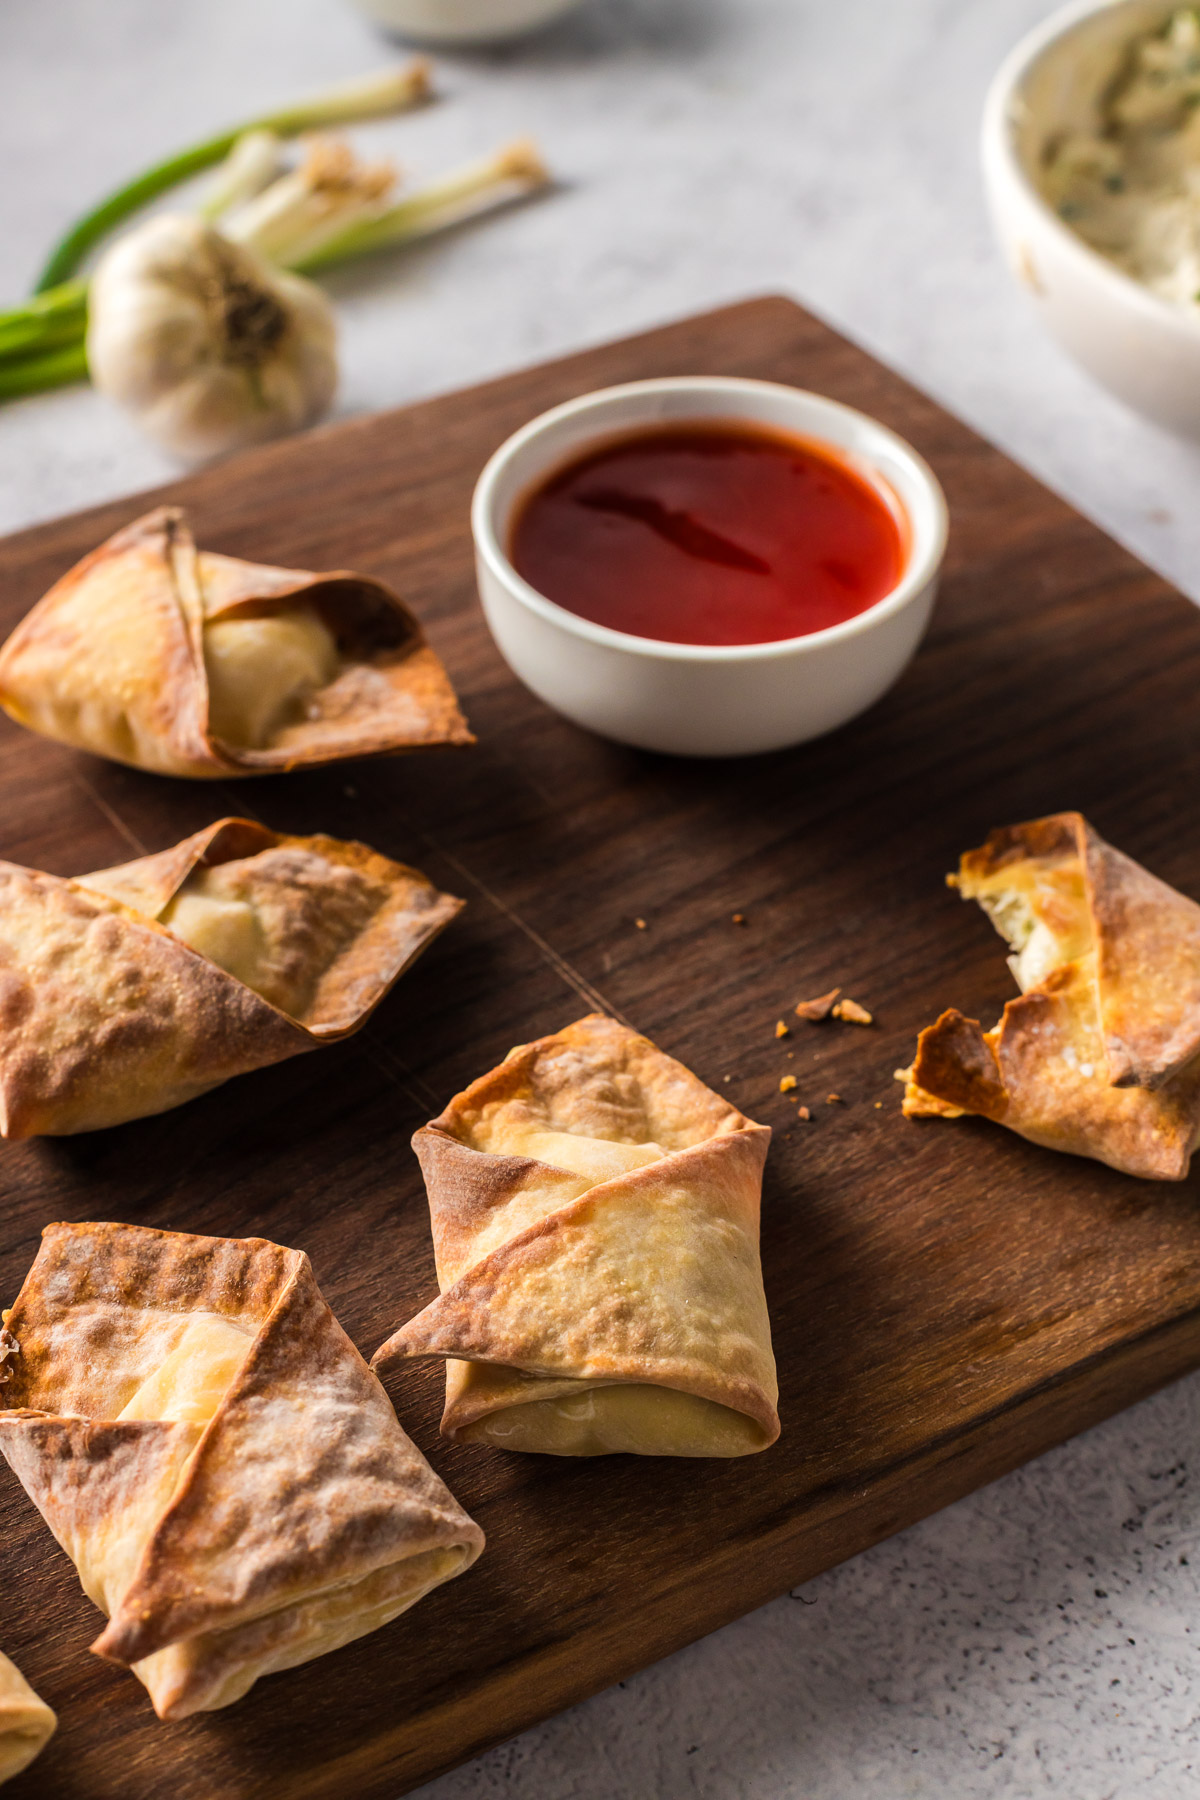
710	534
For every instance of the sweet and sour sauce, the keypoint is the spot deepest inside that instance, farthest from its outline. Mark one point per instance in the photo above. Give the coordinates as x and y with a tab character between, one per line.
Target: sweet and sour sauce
710	533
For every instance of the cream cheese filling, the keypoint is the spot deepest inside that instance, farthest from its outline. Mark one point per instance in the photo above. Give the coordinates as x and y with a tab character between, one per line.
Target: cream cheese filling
225	930
1041	912
190	1384
206	1352
263	671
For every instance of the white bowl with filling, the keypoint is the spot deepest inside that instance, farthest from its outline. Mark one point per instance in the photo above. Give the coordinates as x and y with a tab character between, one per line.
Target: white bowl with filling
1091	155
451	22
690	699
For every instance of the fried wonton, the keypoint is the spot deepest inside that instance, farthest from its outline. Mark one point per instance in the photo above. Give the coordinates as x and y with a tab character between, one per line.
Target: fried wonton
25	1721
131	990
595	1221
215	1457
1100	1054
153	653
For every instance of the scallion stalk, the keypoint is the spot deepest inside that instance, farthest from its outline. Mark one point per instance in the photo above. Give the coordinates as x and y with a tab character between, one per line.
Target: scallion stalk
50	369
371	97
57	317
508	175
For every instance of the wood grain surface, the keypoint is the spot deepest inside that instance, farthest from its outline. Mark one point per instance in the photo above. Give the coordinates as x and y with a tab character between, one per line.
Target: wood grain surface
947	1300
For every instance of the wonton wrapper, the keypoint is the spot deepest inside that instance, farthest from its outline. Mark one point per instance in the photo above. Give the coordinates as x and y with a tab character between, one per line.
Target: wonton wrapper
129	991
26	1723
215	1457
1098	1056
189	663
595	1222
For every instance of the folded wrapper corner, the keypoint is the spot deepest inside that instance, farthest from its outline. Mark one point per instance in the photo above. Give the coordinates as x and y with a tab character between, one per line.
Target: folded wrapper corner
1100	1053
215	1457
26	1723
154	653
595	1214
134	989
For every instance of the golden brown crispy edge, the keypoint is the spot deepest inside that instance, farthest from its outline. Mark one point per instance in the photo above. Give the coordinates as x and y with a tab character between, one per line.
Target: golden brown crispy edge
104	1016
1147	938
1055	837
121	605
1148	974
571	1063
302	1480
460	1323
354	1494
1017	1076
467	1185
71	1059
26	1722
957	1066
148	585
470	1184
413	914
72	1357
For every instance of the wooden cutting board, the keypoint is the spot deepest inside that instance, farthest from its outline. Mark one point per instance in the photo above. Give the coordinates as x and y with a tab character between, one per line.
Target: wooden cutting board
947	1301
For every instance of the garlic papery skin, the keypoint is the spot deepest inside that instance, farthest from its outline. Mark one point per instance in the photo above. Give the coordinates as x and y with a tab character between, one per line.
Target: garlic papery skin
208	345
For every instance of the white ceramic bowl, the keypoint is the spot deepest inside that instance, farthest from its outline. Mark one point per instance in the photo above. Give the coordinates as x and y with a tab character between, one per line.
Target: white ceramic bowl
1140	346
699	699
452	22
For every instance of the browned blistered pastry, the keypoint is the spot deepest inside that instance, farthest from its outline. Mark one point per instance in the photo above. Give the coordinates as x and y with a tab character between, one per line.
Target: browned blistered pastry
25	1721
154	653
133	989
595	1222
1099	1054
216	1458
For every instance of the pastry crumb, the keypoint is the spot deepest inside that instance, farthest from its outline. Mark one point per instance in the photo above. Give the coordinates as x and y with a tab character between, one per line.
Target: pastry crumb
834	1100
820	1008
802	1112
787	1084
878	1105
640	923
782	1030
739	918
852	1013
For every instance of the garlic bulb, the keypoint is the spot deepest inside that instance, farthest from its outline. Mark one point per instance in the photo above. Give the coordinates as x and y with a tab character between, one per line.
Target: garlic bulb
210	346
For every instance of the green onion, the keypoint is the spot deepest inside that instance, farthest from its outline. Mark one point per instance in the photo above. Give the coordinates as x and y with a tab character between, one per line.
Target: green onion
509	174
363	99
34	374
56	317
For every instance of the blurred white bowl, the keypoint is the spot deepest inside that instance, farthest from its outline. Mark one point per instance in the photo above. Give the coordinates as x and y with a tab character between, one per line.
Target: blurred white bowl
702	699
1140	346
452	22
